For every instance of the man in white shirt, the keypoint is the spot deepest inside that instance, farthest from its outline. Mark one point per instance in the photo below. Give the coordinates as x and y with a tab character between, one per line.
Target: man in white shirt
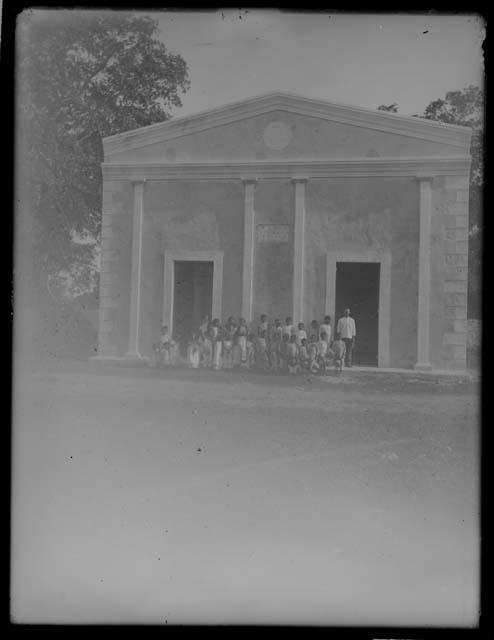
346	328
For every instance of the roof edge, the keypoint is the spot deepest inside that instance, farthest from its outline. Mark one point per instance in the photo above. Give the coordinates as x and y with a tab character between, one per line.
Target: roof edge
410	126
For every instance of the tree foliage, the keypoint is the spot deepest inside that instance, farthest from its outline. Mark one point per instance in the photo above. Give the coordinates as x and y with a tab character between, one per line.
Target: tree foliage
81	76
465	108
392	108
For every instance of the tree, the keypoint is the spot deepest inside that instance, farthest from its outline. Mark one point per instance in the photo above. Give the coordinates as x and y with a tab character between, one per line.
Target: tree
392	108
465	108
81	76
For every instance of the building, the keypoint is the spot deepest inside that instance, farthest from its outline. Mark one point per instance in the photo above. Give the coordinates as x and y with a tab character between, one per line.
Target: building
286	205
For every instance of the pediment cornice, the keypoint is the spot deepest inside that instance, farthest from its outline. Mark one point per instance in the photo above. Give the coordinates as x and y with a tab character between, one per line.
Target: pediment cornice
382	121
309	169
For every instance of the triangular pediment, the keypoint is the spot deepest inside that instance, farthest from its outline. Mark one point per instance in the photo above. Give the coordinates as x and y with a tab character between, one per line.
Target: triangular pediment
285	126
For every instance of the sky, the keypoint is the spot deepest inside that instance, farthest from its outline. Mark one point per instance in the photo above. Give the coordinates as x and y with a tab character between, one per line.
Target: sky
361	60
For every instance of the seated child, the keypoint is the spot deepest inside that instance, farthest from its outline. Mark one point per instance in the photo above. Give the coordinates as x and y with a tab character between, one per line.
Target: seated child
339	350
303	355
322	349
240	344
194	351
207	348
288	327
164	350
263	325
229	328
228	336
312	352
292	354
301	333
275	330
250	345
327	355
217	343
274	349
261	351
282	352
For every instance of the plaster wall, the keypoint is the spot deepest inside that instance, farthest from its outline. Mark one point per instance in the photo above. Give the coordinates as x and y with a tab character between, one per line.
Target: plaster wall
274	204
198	216
360	215
449	272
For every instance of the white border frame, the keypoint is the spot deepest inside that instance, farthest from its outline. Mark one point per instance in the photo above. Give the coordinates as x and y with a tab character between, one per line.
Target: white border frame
384	259
216	257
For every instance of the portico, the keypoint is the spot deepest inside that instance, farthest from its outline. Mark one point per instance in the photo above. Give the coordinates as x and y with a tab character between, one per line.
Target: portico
275	192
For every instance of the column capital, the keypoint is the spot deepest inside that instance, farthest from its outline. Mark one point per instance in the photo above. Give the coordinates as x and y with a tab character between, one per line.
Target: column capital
300	179
424	176
249	179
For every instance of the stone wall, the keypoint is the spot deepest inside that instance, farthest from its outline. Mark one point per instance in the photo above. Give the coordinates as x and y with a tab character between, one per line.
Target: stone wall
450	272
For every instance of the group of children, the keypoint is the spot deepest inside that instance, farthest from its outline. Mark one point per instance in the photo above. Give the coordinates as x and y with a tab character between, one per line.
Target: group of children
275	347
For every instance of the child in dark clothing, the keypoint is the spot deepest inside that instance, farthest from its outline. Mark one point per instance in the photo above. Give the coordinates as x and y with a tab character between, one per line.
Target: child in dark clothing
303	355
283	353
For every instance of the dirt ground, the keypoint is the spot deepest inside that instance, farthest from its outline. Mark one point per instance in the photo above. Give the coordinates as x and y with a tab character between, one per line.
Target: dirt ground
149	496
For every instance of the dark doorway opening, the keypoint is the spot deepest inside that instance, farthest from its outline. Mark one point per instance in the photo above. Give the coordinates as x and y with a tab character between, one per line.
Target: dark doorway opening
357	288
192	297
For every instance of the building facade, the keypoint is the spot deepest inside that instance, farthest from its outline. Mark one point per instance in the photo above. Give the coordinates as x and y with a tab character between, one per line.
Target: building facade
289	206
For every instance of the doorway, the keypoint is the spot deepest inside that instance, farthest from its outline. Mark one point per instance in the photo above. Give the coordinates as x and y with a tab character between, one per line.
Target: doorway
192	297
357	288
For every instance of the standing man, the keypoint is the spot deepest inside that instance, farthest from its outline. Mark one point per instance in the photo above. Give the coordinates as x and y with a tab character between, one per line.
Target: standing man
346	328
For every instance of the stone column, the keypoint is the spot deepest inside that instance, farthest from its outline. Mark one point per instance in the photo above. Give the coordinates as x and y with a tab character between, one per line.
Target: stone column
423	313
299	249
249	246
135	285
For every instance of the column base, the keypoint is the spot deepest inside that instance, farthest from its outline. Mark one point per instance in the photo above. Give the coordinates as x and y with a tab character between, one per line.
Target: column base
133	355
129	359
423	366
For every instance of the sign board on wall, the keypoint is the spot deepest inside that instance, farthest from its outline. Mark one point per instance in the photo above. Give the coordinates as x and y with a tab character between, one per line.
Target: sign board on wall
273	233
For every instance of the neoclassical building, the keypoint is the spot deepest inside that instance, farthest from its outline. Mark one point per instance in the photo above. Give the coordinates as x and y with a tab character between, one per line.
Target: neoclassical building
286	205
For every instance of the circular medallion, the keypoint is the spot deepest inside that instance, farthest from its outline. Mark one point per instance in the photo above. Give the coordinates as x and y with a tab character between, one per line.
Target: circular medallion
277	135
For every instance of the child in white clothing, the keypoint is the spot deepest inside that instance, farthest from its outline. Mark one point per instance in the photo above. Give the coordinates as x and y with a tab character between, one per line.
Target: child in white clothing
325	327
194	352
301	333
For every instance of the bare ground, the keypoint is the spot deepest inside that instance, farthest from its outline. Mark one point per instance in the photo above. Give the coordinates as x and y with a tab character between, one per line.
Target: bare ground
226	497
